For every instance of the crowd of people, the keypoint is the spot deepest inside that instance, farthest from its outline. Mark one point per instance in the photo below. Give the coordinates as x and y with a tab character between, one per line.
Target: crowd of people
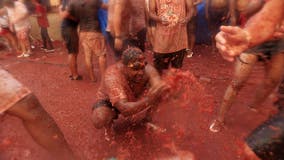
125	30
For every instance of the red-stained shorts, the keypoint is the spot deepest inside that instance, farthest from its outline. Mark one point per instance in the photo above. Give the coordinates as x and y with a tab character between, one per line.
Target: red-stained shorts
93	43
11	91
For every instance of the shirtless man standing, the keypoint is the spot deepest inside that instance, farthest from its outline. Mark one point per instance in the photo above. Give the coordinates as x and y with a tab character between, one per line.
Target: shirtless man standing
126	25
129	87
217	13
272	52
231	42
91	37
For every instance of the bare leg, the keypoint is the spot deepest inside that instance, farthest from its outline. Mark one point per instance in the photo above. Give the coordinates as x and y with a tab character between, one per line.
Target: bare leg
27	43
192	41
89	63
72	62
242	72
274	77
22	46
12	41
249	154
102	64
41	127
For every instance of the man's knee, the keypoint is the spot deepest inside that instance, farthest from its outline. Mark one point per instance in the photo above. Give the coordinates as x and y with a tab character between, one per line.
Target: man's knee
102	117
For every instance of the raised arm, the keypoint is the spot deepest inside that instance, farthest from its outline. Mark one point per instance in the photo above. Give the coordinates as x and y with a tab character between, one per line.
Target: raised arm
128	108
270	16
232	41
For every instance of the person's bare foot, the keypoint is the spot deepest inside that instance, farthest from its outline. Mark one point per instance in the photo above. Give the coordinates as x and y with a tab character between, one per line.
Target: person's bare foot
153	127
216	126
109	134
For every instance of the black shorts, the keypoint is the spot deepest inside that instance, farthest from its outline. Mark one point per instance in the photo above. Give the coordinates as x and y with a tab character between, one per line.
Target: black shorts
106	102
267	141
267	49
138	41
163	61
71	38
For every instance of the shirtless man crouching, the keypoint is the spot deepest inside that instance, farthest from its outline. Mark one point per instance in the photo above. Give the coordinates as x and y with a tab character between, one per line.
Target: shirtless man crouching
129	87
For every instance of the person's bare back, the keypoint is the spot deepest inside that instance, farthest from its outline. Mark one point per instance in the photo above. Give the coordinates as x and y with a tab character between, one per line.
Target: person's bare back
241	5
217	4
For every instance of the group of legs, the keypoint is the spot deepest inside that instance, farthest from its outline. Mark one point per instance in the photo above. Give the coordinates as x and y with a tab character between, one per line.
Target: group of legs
266	141
243	69
91	45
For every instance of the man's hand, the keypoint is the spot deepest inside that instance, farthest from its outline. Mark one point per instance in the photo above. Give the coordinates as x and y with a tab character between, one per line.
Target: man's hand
183	21
118	44
157	91
232	41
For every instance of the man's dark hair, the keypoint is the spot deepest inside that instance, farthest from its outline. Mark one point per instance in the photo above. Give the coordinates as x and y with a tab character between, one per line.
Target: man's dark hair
130	55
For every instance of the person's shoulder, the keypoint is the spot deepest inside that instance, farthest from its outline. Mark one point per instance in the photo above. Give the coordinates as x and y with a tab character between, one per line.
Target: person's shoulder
113	68
114	71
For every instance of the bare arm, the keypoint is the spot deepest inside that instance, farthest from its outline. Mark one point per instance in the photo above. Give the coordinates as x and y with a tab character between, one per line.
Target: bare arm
158	87
269	16
117	17
189	10
130	108
153	74
232	41
152	12
253	7
232	12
